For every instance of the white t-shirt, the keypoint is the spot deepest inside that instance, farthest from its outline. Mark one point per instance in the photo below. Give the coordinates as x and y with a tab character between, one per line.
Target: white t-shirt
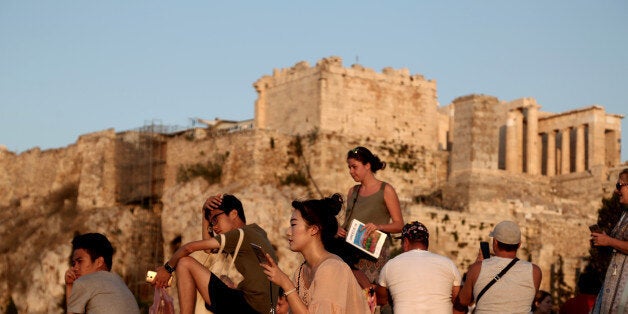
420	282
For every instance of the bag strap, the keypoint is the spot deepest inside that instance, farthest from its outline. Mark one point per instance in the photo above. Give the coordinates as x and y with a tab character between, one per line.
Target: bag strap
222	243
237	249
496	278
222	247
349	211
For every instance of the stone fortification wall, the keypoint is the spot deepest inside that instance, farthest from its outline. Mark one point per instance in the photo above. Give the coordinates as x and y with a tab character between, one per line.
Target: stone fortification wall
270	157
549	240
47	197
35	173
332	98
445	127
581	193
289	101
476	131
479	191
87	166
477	161
97	179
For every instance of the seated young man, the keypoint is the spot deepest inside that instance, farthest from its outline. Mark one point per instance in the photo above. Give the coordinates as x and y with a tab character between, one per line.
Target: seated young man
222	215
90	286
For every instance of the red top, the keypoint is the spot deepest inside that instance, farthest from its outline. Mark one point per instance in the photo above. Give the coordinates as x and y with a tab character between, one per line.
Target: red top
580	304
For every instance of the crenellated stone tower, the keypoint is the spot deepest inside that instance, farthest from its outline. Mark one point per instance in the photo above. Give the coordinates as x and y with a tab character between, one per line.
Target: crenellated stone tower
355	102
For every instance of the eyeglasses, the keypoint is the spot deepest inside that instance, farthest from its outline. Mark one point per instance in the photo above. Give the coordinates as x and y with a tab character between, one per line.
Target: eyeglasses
619	185
214	220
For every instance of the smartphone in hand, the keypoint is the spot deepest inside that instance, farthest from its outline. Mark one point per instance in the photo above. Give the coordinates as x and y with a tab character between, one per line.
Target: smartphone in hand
595	228
486	253
259	252
150	277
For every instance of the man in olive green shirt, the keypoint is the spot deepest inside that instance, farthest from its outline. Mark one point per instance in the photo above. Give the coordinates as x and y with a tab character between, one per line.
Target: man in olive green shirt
224	216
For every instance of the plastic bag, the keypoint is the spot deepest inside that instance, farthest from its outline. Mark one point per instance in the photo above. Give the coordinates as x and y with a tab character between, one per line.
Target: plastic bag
162	302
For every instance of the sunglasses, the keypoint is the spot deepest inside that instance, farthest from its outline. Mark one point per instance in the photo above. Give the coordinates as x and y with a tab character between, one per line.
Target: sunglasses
619	185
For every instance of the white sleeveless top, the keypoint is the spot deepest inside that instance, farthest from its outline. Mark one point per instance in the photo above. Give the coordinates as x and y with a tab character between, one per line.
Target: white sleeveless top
513	293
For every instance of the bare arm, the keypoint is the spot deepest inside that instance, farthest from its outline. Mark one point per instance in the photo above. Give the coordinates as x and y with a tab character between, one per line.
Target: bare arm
189	248
537	276
454	294
465	296
70	276
278	277
381	293
211	203
394	209
602	239
206	232
162	277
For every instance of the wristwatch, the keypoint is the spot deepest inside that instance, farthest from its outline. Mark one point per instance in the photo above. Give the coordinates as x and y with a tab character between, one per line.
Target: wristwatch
169	268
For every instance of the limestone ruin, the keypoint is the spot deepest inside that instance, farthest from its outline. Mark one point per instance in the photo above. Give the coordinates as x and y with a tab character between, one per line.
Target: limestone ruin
458	168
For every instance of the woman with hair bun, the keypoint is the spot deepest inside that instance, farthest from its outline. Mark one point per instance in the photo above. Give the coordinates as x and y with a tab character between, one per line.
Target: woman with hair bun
373	202
323	283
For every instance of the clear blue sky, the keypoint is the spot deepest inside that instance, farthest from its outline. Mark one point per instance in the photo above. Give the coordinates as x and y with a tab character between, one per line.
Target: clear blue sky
74	67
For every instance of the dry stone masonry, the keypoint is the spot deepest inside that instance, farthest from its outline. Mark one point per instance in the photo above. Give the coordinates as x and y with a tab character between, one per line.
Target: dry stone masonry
459	168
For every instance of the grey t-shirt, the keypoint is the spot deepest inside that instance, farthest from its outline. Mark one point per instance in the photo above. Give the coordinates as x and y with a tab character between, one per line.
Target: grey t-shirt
101	292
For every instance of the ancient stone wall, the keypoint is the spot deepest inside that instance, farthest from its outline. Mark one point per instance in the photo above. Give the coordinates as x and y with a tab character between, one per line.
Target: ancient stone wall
289	101
269	157
476	131
97	179
460	169
331	98
35	173
255	165
548	237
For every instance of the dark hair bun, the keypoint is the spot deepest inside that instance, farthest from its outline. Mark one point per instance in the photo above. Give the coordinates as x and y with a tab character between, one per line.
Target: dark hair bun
334	203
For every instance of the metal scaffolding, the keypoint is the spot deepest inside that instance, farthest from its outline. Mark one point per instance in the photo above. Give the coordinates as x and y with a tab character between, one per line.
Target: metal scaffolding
140	170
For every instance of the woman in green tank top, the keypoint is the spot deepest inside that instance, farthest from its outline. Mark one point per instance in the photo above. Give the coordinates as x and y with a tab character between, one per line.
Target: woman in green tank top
373	202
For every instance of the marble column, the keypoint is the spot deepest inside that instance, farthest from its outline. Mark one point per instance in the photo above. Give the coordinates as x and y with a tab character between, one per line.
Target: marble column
532	140
514	142
580	148
565	159
551	153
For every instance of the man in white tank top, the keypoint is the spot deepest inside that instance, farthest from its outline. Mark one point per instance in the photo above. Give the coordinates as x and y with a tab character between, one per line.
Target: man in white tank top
511	293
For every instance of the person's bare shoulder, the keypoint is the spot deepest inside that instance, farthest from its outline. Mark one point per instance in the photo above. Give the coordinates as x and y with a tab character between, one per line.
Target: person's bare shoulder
474	270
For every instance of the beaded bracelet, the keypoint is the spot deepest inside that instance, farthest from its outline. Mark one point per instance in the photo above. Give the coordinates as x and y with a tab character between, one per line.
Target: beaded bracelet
285	294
